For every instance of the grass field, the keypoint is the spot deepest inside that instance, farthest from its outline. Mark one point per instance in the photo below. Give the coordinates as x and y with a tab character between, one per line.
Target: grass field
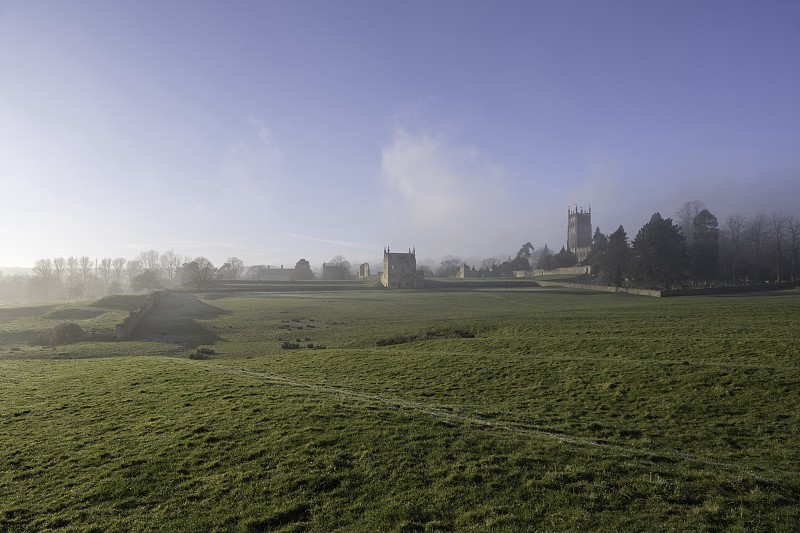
486	409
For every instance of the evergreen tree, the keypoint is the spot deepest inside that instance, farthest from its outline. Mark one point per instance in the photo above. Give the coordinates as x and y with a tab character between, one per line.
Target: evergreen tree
302	270
545	261
597	252
704	250
615	258
564	259
523	259
658	253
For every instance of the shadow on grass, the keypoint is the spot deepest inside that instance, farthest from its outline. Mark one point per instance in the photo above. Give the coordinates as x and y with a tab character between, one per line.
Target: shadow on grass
13	313
121	302
74	314
179	319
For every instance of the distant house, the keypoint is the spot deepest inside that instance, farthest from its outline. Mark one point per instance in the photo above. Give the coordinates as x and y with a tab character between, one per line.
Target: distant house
334	271
270	273
400	270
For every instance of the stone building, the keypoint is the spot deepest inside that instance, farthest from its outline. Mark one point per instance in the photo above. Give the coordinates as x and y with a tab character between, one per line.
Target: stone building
465	271
363	270
270	273
579	232
400	270
334	272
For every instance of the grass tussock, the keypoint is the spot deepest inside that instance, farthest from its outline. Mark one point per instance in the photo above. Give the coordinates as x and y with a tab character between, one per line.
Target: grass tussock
202	353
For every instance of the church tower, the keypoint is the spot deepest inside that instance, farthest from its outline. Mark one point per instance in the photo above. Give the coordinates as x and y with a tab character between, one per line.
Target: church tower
579	232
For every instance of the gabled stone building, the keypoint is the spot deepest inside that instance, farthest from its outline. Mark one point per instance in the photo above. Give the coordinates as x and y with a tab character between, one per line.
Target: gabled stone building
400	270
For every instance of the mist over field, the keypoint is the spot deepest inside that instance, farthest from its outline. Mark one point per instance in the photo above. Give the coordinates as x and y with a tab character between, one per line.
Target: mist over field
399	266
274	132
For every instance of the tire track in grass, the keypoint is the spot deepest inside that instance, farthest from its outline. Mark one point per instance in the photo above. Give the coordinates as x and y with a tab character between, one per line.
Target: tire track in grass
506	299
454	417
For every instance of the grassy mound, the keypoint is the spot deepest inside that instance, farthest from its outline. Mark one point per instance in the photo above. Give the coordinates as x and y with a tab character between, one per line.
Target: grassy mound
42	325
63	333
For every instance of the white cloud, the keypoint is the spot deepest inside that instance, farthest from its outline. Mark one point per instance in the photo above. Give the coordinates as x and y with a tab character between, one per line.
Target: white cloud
440	194
264	134
334	242
252	165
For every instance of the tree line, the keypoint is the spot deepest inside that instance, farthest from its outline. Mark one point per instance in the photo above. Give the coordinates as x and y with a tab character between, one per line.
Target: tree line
695	250
77	277
692	250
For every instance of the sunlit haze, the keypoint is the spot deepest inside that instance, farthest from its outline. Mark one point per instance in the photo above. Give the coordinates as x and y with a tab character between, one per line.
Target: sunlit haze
272	131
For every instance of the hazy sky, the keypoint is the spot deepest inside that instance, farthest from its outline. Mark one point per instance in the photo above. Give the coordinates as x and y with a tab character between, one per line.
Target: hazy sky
272	131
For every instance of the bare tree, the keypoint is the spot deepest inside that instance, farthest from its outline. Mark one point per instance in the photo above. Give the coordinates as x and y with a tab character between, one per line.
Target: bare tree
490	263
75	292
133	267
59	268
43	276
793	226
146	281
72	268
685	218
85	263
755	233
777	227
43	268
337	268
448	266
171	262
734	225
151	260
105	269
118	266
200	272
233	268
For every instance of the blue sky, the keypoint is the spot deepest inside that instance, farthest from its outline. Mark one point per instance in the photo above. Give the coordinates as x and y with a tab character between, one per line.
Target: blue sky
273	131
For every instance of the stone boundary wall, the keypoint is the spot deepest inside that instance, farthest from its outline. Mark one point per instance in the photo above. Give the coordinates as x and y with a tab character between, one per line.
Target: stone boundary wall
126	328
576	271
665	294
601	288
478	283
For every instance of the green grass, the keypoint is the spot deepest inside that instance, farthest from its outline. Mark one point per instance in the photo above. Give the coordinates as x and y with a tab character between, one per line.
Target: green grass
23	325
567	410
